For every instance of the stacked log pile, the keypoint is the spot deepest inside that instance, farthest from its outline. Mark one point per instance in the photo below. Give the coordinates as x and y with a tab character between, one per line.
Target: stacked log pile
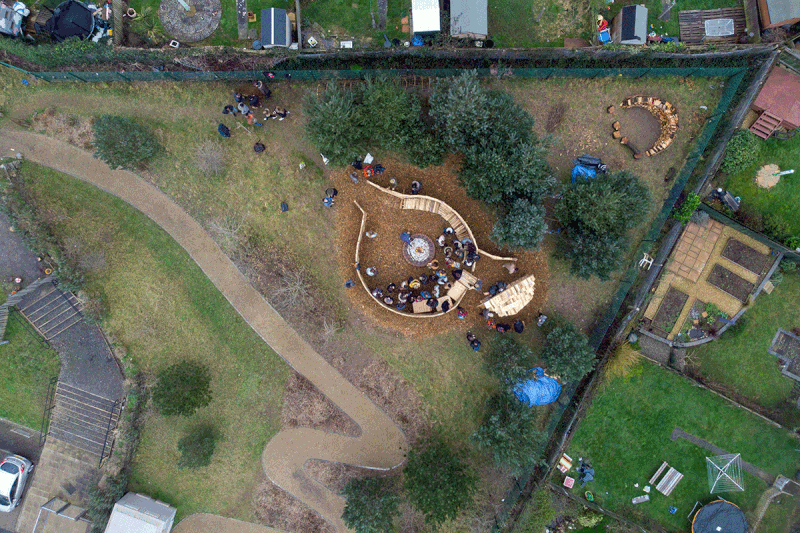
666	114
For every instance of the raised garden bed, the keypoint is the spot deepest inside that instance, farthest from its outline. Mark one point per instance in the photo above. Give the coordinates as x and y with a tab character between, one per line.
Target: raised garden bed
728	282
670	309
746	257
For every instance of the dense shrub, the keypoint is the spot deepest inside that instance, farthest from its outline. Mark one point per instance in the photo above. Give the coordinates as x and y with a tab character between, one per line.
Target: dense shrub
596	216
567	353
121	142
182	388
197	446
742	151
333	124
520	226
509	434
372	504
509	361
437	480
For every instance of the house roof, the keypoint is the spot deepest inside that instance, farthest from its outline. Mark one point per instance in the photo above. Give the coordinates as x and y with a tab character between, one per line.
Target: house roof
425	16
469	18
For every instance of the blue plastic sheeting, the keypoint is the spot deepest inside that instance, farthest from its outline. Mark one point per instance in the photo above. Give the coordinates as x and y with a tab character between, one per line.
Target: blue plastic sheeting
538	391
581	172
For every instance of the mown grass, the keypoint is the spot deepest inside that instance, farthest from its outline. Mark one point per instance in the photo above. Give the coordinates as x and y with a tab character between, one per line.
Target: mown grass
781	203
25	372
162	310
626	435
739	359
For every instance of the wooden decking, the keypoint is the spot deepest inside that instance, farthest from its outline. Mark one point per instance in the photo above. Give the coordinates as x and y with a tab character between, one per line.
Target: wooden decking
693	30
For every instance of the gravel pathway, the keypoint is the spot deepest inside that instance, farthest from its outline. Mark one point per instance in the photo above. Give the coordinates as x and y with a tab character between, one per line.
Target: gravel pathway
381	445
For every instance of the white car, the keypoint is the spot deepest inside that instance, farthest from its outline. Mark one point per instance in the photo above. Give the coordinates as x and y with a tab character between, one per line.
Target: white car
14	472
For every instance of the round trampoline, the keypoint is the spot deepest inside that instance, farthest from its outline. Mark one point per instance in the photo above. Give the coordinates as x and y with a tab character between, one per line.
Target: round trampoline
420	250
719	517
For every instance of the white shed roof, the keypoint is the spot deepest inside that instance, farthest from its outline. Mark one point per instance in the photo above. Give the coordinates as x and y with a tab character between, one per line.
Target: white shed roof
425	16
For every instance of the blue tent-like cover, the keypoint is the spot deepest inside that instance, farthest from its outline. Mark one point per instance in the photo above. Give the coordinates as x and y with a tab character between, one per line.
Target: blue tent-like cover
540	390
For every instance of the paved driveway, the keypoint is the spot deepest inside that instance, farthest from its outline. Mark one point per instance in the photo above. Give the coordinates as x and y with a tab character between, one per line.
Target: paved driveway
22	441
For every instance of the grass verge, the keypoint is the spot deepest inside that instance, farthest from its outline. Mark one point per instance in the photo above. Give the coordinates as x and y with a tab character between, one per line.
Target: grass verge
739	358
25	371
626	435
779	205
162	309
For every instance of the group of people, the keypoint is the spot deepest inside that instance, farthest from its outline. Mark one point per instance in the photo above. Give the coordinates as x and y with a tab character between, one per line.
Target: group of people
428	288
246	106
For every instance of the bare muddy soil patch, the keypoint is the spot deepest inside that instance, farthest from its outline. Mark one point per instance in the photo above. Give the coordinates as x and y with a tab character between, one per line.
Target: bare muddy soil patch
725	280
745	256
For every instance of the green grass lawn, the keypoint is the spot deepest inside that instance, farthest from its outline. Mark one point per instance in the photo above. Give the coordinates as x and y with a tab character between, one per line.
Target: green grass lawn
162	309
626	435
740	360
781	203
25	372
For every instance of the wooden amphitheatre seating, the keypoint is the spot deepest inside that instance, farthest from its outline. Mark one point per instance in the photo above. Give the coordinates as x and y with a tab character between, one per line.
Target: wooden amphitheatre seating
666	114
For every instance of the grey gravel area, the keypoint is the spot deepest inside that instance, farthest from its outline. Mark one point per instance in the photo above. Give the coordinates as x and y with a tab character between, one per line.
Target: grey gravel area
16	260
190	26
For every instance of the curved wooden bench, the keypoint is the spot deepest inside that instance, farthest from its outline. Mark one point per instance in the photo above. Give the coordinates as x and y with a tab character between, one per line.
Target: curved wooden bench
421	202
666	114
455	294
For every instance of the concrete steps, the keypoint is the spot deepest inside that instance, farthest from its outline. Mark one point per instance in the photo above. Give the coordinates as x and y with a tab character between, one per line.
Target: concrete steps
83	419
50	310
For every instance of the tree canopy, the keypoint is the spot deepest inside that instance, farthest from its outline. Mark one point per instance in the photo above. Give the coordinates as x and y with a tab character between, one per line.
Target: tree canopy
509	433
567	353
182	388
437	481
371	504
596	216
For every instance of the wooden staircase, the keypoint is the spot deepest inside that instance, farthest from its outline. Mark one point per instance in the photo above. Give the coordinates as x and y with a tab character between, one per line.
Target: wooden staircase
765	125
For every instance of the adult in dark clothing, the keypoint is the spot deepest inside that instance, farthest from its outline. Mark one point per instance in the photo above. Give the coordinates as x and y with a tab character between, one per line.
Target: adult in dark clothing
519	326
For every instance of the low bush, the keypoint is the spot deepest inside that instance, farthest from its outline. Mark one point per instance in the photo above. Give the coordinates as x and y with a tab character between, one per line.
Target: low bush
742	151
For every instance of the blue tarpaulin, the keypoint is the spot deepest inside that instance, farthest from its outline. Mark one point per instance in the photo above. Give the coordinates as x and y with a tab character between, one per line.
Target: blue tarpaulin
580	171
540	390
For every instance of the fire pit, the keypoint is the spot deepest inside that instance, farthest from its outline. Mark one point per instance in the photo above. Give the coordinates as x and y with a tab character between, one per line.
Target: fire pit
420	250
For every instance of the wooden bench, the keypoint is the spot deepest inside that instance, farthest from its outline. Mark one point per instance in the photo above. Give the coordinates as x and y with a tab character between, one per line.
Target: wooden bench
669	481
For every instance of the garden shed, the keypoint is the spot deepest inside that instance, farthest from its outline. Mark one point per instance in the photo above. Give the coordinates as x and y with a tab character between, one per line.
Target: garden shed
276	28
630	25
425	16
140	513
469	19
776	13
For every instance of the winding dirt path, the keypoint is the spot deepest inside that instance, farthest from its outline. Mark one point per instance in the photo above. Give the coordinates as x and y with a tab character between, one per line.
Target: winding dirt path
381	445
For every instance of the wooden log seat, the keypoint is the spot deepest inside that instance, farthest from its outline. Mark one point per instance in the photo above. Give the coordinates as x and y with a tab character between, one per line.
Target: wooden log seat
666	114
